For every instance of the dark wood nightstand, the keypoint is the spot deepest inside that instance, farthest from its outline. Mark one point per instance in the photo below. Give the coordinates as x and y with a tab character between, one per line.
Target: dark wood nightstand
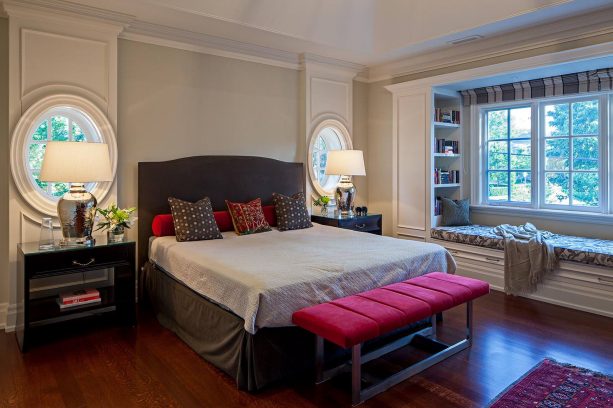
38	309
366	223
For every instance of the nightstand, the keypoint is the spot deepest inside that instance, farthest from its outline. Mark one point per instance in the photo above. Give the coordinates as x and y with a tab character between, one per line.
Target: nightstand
43	274
366	223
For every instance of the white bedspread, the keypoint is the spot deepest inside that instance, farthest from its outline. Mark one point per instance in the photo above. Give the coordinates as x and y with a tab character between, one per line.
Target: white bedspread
264	278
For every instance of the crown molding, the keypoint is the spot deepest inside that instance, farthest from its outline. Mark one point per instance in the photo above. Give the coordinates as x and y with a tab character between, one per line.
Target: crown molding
68	9
577	28
308	58
208	44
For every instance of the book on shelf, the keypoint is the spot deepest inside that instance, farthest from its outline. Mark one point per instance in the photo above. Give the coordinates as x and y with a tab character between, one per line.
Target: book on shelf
446	115
446	176
438	206
78	296
77	304
447	146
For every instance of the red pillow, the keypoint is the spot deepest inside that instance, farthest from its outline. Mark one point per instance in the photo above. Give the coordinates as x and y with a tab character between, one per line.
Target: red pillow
248	218
224	220
163	225
270	215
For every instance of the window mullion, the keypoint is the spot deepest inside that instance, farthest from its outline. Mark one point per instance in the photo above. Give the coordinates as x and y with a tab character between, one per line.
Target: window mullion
509	155
571	165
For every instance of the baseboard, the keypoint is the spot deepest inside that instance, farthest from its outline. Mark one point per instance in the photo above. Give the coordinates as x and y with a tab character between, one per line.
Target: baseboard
10	318
4	311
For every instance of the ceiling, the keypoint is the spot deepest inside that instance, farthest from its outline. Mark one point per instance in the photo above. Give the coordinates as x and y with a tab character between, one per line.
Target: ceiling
367	32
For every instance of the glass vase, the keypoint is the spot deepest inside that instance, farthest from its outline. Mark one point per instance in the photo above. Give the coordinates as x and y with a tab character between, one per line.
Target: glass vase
116	234
324	209
46	240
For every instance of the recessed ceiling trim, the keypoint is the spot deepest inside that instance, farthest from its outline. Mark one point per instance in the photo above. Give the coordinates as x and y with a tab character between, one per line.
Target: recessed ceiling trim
573	29
465	40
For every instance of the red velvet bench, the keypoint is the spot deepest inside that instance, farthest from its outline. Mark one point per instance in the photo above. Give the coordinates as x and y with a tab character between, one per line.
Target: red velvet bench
350	321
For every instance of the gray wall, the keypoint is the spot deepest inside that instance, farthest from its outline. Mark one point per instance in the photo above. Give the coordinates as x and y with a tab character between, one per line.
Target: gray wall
380	146
174	103
4	159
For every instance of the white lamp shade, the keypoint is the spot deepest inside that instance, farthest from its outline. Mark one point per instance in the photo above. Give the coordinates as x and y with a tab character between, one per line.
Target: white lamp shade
345	163
76	162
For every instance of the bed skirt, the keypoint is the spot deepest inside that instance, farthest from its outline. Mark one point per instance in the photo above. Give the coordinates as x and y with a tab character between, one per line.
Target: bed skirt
218	335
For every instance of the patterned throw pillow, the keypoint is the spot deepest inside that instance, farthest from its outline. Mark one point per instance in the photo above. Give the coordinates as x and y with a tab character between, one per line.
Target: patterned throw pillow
248	218
193	221
455	212
292	213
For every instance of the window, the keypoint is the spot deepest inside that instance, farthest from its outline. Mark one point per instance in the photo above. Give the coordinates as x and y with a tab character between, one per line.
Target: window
509	155
329	135
571	150
56	118
545	154
57	124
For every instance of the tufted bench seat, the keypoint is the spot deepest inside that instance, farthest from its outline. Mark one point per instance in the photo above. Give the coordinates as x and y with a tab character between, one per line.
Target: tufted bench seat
350	321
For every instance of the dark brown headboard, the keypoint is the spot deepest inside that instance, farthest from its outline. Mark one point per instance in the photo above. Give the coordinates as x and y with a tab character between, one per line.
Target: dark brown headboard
234	178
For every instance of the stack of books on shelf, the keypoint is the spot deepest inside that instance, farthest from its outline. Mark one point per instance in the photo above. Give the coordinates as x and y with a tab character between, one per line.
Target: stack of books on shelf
446	176
446	115
79	297
438	206
447	146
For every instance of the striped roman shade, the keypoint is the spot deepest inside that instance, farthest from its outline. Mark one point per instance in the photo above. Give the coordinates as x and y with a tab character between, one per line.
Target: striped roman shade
569	84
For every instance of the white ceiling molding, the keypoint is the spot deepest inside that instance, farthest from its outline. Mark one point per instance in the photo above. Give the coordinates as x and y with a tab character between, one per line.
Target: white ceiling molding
207	44
72	9
571	29
342	69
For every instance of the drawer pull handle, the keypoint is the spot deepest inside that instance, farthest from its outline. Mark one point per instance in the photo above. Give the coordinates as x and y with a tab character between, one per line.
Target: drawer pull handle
454	252
77	263
489	258
605	281
360	226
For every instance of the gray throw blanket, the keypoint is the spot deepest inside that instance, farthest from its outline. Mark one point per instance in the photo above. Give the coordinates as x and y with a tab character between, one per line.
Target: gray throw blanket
528	257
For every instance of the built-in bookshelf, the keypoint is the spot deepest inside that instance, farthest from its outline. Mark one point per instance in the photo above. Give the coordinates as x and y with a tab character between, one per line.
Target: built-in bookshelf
446	150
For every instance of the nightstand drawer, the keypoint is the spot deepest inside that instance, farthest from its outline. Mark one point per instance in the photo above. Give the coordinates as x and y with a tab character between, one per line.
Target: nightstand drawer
361	223
88	258
364	223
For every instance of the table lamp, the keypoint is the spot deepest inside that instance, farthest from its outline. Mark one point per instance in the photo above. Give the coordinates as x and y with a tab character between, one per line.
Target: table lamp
76	163
345	163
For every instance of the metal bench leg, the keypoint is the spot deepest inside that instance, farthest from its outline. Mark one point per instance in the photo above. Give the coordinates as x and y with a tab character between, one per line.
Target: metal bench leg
319	359
469	321
356	374
433	321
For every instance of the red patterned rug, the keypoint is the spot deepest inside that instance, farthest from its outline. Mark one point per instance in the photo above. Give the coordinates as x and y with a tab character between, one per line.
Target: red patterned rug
554	385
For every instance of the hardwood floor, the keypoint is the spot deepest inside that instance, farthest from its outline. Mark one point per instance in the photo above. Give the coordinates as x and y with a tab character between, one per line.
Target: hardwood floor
149	366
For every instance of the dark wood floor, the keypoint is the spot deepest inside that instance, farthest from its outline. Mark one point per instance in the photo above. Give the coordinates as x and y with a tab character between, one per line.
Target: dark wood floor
149	366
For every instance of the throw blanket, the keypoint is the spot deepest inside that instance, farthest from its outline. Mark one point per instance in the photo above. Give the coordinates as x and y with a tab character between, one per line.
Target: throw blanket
528	257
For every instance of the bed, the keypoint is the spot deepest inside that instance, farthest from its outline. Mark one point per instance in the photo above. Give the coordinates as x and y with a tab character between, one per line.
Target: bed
231	300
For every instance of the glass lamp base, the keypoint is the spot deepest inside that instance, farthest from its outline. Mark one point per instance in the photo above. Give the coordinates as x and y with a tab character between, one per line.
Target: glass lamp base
345	195
77	210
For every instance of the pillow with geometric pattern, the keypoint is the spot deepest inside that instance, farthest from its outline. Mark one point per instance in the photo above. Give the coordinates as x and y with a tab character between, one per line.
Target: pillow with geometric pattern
292	213
193	221
455	212
248	218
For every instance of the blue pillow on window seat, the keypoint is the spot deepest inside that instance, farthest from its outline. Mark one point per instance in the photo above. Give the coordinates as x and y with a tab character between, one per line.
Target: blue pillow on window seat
455	212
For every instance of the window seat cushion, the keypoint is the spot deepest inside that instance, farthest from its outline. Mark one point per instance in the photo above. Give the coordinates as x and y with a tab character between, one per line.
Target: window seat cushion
568	248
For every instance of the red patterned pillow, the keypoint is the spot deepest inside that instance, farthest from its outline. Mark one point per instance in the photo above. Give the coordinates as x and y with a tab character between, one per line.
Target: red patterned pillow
248	218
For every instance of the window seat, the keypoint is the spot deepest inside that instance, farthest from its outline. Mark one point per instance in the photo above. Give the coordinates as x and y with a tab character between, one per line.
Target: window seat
568	248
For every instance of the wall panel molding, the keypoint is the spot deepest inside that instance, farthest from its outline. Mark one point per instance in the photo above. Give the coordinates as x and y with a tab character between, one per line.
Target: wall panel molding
89	70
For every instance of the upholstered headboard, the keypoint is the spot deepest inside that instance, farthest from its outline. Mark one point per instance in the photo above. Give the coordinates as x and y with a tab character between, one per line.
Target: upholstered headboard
234	178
